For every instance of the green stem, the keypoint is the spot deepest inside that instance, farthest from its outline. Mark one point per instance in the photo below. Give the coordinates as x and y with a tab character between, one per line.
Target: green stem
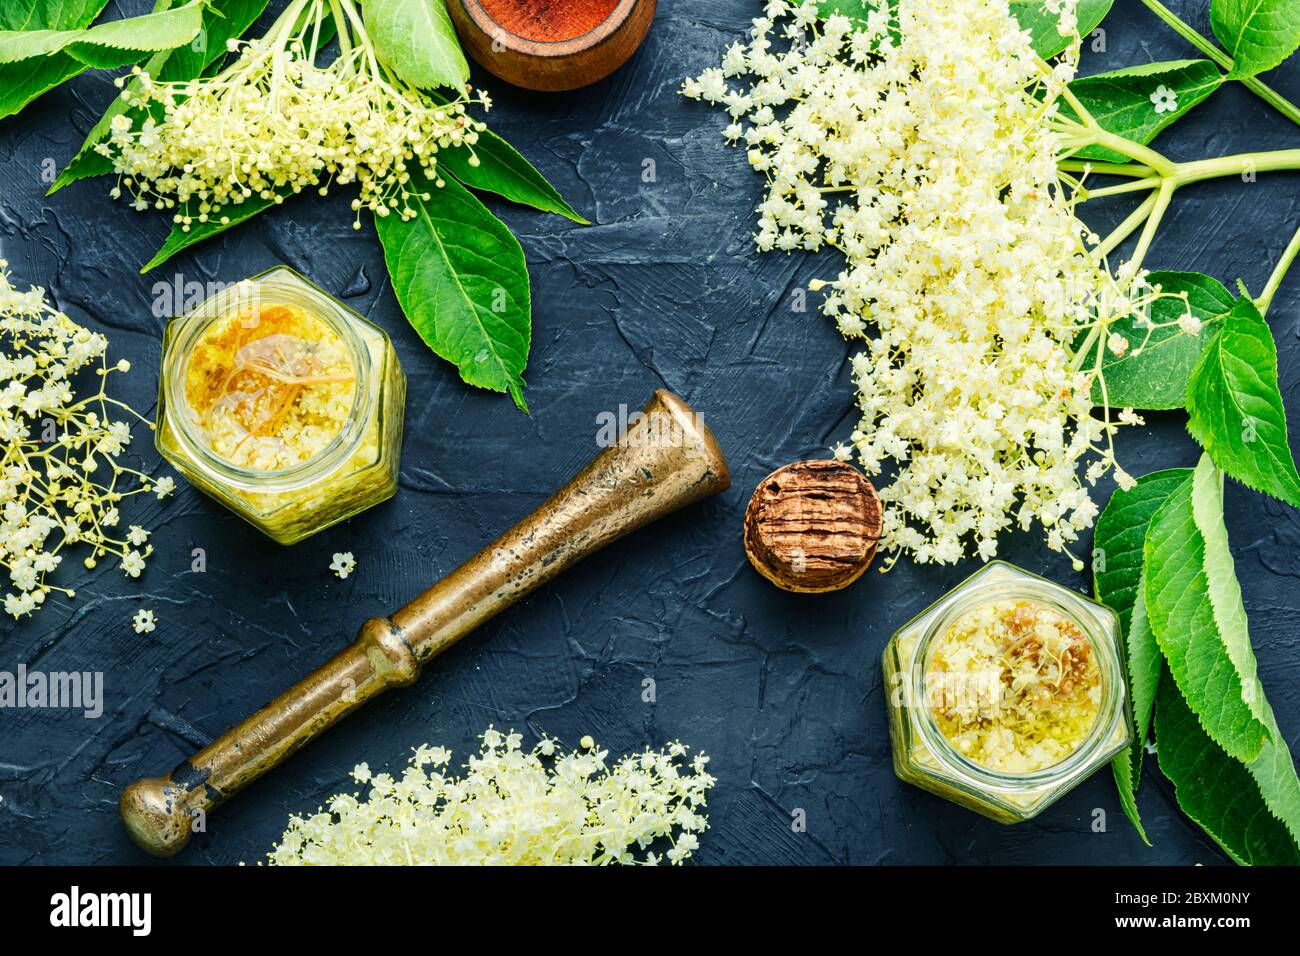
1263	162
1126	228
1106	169
1126	147
1255	85
1133	185
1279	273
1089	342
1153	222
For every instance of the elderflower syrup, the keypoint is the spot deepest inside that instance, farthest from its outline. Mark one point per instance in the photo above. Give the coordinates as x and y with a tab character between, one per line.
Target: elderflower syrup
283	404
1006	693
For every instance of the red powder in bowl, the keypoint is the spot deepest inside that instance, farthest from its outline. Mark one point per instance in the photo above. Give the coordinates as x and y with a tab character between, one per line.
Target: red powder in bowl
549	21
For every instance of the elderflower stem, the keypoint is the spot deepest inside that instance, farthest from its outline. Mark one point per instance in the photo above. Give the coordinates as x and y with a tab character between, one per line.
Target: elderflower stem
1135	170
1254	84
1146	182
1241	163
340	23
1279	273
1162	200
1143	154
1126	228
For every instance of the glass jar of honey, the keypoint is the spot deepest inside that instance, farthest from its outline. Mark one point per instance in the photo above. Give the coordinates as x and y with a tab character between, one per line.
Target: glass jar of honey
1006	693
283	404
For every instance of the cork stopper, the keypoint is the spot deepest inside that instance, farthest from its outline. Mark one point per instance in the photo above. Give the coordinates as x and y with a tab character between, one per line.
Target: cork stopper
813	526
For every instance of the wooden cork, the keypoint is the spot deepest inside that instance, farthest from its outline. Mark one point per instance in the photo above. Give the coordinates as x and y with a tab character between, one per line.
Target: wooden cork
813	526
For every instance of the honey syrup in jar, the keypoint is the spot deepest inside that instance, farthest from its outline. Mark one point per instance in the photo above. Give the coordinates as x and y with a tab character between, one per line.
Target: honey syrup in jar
283	404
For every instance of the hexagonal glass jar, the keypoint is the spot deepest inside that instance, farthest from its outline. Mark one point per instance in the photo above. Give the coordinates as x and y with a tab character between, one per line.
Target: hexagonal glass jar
349	472
924	756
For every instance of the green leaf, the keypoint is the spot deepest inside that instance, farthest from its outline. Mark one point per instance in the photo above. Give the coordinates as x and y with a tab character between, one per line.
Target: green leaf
858	10
111	44
1252	810
1258	34
502	170
20	83
50	14
1193	603
1154	375
1235	407
415	39
1118	543
1121	101
178	239
222	20
855	10
460	277
1043	25
1143	660
1126	788
1118	583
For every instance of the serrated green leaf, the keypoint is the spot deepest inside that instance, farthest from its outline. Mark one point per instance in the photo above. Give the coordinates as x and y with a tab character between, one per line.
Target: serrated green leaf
1154	375
1252	810
20	83
222	20
1118	583
16	45
1193	604
50	14
1121	101
1235	406
460	277
179	239
502	170
1043	25
1142	659
1258	34
416	40
107	45
1126	789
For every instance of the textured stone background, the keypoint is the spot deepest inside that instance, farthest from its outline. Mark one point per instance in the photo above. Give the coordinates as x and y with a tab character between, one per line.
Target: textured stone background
663	291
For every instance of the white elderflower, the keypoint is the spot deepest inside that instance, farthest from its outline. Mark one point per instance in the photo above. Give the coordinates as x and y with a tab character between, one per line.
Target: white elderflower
1164	99
343	564
511	807
132	564
144	621
924	147
275	121
62	478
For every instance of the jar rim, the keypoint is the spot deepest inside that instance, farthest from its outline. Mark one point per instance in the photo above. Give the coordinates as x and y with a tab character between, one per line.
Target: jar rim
278	286
1060	600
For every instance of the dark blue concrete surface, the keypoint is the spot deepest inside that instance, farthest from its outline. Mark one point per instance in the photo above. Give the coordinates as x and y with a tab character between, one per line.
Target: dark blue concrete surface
665	290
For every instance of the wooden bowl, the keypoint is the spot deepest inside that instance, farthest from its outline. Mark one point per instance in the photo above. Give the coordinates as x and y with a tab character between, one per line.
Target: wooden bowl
551	45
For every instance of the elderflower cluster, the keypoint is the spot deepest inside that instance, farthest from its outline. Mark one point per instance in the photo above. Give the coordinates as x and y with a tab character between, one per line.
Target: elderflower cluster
60	474
274	122
921	146
511	807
